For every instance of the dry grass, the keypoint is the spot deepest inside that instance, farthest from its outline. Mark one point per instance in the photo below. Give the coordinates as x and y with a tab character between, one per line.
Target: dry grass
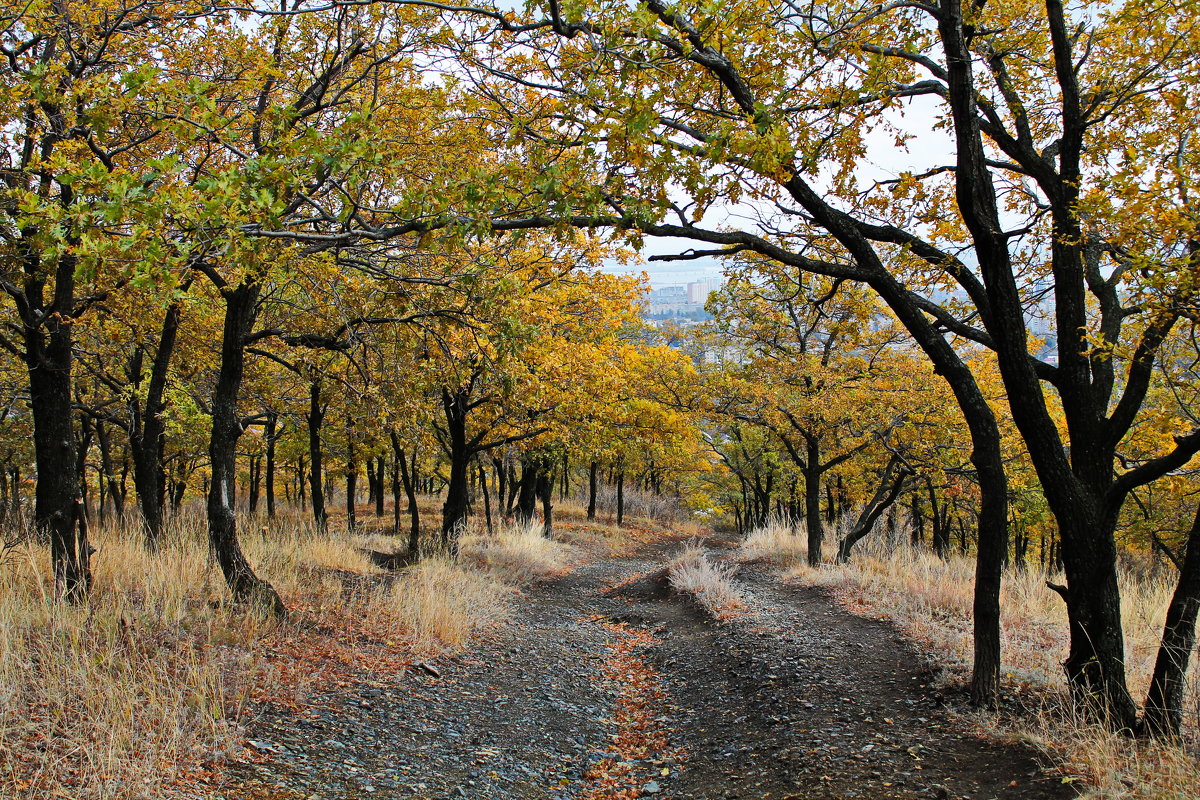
709	584
439	604
141	692
930	600
517	554
639	505
777	541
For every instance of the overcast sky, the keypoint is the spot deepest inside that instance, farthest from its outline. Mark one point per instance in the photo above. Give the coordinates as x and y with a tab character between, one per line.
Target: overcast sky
925	149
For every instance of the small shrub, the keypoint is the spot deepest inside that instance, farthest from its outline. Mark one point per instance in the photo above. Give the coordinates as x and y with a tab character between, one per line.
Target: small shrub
517	554
439	604
709	584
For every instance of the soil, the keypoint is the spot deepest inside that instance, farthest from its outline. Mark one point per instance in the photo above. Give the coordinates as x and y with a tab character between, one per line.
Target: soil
605	685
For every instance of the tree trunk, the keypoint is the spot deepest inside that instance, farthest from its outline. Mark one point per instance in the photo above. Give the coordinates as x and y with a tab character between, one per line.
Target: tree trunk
351	478
246	587
501	483
409	478
255	483
371	478
1164	701
115	495
57	506
316	480
545	491
397	464
147	431
272	436
380	473
620	497
457	506
812	503
514	489
883	498
301	479
1095	664
593	471
528	491
487	502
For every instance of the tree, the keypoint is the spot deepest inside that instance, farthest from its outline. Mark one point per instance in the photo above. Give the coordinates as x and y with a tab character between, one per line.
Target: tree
819	369
80	95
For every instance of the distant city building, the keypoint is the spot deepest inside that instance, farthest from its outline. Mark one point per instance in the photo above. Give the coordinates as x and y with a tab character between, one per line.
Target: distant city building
679	305
698	291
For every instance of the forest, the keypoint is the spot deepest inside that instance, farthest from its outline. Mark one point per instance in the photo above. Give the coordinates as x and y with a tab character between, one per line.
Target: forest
325	362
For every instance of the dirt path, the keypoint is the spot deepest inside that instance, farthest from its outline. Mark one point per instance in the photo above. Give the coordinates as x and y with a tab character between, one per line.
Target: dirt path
595	692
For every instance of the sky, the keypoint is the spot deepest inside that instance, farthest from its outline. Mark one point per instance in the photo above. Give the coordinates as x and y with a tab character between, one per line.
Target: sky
926	148
668	273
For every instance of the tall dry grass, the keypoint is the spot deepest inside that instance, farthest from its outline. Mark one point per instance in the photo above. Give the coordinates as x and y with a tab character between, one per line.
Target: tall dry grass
517	553
439	605
639	504
710	584
146	687
930	600
778	541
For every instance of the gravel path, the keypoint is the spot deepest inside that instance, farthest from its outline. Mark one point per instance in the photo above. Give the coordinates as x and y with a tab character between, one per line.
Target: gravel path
591	692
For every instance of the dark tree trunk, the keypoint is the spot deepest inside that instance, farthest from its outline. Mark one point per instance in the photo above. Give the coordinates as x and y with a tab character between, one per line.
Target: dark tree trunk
545	491
255	483
917	520
812	506
890	486
57	510
371	478
351	480
147	431
593	473
246	587
487	502
380	473
1095	664
86	435
272	437
501	483
620	497
410	489
514	490
1164	701
1020	543
940	518
301	480
316	480
457	506
527	493
397	464
115	495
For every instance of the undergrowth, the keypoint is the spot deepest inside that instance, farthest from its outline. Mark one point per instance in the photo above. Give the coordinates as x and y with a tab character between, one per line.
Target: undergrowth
693	573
